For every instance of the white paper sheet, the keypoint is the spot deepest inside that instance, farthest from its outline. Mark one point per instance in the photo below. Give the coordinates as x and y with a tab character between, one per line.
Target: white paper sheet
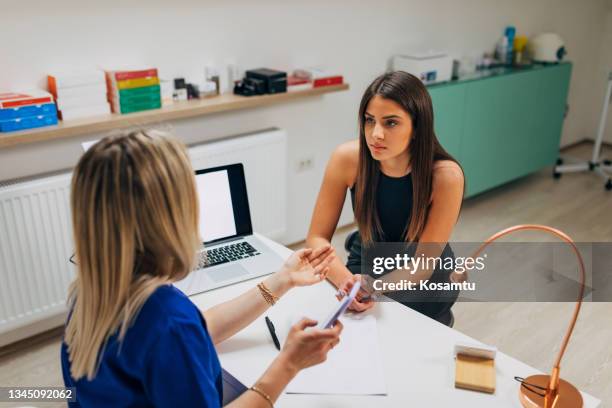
88	144
353	367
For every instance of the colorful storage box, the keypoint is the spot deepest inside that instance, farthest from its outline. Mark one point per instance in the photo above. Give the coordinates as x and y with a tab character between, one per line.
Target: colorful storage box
19	111
133	90
24	111
28	122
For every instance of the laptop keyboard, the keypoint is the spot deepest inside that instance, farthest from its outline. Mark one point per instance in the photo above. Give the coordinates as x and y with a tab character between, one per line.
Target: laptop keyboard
227	253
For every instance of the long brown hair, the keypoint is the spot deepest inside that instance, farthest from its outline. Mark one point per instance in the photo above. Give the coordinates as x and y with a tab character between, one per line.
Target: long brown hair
135	227
409	92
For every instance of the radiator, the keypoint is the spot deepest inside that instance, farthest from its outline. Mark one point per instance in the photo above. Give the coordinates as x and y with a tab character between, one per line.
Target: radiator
35	245
36	236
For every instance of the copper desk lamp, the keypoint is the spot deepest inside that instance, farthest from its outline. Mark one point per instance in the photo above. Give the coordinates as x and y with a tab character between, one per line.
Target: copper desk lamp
549	391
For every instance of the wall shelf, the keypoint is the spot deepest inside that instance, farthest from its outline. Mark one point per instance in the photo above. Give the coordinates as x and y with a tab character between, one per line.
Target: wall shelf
179	110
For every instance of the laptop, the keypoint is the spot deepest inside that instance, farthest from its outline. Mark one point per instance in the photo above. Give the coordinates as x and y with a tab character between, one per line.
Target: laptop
231	253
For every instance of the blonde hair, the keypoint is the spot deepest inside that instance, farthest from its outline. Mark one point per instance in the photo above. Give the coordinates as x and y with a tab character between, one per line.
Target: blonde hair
135	227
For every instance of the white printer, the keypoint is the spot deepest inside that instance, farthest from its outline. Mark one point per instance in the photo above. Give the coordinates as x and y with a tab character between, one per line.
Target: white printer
429	66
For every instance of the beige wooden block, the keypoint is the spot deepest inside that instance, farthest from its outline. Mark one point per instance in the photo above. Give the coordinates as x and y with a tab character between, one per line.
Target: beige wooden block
475	373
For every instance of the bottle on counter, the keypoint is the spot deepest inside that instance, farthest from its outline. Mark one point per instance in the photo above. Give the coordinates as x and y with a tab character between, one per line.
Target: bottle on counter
519	48
501	50
510	33
504	48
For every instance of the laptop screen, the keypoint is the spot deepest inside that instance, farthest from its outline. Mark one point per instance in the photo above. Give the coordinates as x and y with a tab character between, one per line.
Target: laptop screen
224	205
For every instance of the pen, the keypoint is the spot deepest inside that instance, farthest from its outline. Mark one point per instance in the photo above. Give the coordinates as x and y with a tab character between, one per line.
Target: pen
273	333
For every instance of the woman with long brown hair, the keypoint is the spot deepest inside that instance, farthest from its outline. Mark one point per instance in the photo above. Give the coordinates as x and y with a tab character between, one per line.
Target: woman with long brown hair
133	339
404	187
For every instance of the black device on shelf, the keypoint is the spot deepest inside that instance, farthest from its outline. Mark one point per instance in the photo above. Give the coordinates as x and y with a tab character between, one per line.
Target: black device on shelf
274	81
250	87
179	83
193	92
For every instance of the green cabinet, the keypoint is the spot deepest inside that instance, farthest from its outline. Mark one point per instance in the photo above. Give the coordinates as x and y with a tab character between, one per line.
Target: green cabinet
503	125
449	115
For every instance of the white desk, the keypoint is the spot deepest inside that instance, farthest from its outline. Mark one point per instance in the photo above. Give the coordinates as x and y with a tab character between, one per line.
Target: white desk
417	354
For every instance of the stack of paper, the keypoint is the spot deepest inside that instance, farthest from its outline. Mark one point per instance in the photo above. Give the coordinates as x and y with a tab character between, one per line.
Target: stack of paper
79	94
353	367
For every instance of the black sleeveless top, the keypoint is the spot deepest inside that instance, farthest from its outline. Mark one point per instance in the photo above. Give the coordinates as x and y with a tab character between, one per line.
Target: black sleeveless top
394	201
394	206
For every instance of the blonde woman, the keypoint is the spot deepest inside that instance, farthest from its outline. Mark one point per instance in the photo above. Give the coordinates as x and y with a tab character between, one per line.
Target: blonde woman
134	340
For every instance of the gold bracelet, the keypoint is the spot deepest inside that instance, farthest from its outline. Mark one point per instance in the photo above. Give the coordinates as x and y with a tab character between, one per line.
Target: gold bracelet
267	294
263	395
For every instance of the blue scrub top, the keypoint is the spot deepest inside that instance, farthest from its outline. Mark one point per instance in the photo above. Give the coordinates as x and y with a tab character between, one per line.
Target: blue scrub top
167	359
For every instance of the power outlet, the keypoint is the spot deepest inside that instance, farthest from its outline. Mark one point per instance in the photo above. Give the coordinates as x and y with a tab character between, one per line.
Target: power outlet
305	164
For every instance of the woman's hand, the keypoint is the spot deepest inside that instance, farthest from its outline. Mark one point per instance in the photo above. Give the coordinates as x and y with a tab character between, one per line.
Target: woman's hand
304	348
457	277
306	266
363	301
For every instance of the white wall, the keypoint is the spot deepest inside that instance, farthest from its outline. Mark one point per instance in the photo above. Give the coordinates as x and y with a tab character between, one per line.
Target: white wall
353	38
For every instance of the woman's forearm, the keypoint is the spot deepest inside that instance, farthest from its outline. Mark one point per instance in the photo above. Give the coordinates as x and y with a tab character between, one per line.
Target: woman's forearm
338	272
228	318
272	383
423	272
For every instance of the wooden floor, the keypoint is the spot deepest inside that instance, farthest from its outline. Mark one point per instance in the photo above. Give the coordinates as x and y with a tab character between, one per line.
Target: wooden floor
531	332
